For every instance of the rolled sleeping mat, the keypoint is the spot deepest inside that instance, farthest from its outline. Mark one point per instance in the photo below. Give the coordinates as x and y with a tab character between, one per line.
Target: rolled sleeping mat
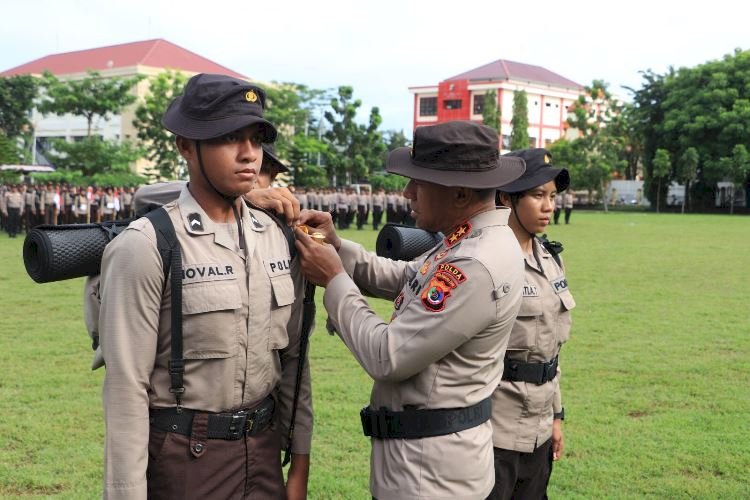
400	242
55	253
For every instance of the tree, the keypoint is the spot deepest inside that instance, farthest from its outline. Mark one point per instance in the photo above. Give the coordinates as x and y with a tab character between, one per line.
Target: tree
687	171
355	151
157	142
662	166
491	111
91	97
519	136
601	147
17	95
93	155
739	168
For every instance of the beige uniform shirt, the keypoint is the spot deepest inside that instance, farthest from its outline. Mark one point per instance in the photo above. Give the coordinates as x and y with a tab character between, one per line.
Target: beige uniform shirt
13	200
453	311
378	200
522	411
241	324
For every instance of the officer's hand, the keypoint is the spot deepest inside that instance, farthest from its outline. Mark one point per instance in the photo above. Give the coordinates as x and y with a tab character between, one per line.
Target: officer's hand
321	222
280	200
319	262
296	482
558	443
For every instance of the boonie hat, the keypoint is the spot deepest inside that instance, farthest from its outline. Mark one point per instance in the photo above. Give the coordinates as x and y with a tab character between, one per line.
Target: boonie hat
539	171
215	105
269	155
456	153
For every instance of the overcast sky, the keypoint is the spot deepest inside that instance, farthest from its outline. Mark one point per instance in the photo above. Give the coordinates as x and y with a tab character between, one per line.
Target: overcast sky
383	47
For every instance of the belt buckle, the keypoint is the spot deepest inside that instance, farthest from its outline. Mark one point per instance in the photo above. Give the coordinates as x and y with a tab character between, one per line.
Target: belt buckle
237	425
252	419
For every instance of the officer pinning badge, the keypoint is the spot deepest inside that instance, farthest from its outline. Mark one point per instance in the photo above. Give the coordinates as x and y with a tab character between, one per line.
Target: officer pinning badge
458	234
195	222
251	96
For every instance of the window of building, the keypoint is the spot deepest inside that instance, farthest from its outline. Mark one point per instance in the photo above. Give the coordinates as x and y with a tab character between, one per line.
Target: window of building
452	104
478	104
428	106
506	142
547	104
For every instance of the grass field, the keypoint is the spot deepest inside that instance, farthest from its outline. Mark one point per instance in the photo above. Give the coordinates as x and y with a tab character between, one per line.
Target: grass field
656	376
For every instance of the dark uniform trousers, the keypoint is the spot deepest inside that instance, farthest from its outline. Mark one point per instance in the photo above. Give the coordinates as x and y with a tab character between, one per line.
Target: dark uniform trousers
557	215
194	466
377	217
362	213
14	220
536	467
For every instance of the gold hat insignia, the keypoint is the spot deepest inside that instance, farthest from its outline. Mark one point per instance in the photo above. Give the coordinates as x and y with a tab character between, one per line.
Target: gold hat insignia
251	96
547	159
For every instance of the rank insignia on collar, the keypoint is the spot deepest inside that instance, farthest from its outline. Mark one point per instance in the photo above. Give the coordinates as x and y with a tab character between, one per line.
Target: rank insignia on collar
195	222
458	234
255	221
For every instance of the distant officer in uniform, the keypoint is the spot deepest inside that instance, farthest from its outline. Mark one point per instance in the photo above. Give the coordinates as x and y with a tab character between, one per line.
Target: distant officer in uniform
126	197
218	432
14	207
363	207
527	409
568	205
378	203
558	207
436	363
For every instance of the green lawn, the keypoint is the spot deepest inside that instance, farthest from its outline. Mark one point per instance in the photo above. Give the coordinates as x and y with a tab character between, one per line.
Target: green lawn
656	379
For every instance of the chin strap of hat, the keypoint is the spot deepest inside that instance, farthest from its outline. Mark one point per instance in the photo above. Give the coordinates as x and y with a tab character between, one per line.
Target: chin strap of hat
232	200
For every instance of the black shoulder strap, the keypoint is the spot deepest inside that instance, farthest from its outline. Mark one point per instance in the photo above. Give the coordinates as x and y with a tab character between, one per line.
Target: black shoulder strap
171	257
288	231
555	248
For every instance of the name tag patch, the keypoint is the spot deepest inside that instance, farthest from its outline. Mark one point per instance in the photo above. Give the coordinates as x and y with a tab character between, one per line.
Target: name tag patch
559	284
530	290
277	266
197	273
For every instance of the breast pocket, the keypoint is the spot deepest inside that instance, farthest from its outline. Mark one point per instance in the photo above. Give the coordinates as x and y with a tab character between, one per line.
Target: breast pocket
526	327
281	310
211	319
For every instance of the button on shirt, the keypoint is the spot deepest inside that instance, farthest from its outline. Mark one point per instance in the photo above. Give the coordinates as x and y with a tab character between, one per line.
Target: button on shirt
453	311
522	412
241	324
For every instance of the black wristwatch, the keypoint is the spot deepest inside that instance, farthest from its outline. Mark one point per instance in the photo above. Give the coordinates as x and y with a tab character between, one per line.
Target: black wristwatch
559	416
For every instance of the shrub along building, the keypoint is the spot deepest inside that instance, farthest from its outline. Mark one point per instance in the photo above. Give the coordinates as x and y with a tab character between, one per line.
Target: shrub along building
148	58
462	97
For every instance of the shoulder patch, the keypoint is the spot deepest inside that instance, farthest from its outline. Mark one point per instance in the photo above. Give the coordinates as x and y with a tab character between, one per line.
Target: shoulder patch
425	267
399	300
195	222
441	254
435	294
559	284
452	272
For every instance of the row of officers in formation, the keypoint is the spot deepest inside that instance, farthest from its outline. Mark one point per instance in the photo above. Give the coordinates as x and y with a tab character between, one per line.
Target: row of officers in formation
25	206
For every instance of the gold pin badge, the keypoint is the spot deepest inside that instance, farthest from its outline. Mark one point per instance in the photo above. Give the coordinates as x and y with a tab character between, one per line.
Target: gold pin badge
547	159
251	96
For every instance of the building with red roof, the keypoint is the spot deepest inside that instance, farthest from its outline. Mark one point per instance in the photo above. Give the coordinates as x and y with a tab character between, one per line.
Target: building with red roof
461	97
149	58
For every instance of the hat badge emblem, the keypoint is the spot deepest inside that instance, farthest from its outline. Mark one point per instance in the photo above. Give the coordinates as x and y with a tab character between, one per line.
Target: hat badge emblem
251	96
547	159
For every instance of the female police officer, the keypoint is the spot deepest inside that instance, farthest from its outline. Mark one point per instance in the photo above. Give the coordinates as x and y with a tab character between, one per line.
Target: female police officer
526	406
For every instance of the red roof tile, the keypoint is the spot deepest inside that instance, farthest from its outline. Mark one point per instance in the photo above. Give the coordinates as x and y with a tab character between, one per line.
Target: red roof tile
157	53
511	70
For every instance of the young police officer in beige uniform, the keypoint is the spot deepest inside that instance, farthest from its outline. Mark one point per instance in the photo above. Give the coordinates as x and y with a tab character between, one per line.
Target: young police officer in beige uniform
527	407
437	362
220	438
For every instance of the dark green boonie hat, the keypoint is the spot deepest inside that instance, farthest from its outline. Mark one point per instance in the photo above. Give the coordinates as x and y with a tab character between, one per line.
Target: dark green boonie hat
456	153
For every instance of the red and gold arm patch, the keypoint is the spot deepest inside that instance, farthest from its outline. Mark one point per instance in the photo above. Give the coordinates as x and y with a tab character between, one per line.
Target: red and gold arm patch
435	294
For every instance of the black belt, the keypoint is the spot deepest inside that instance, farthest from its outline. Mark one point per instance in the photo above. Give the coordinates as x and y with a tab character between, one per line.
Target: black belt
535	373
229	426
414	424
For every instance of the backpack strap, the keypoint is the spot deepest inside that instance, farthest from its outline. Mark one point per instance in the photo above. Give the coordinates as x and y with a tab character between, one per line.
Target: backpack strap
555	248
171	257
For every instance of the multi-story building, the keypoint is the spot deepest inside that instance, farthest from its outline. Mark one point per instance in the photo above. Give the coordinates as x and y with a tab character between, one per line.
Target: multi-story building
462	97
148	58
